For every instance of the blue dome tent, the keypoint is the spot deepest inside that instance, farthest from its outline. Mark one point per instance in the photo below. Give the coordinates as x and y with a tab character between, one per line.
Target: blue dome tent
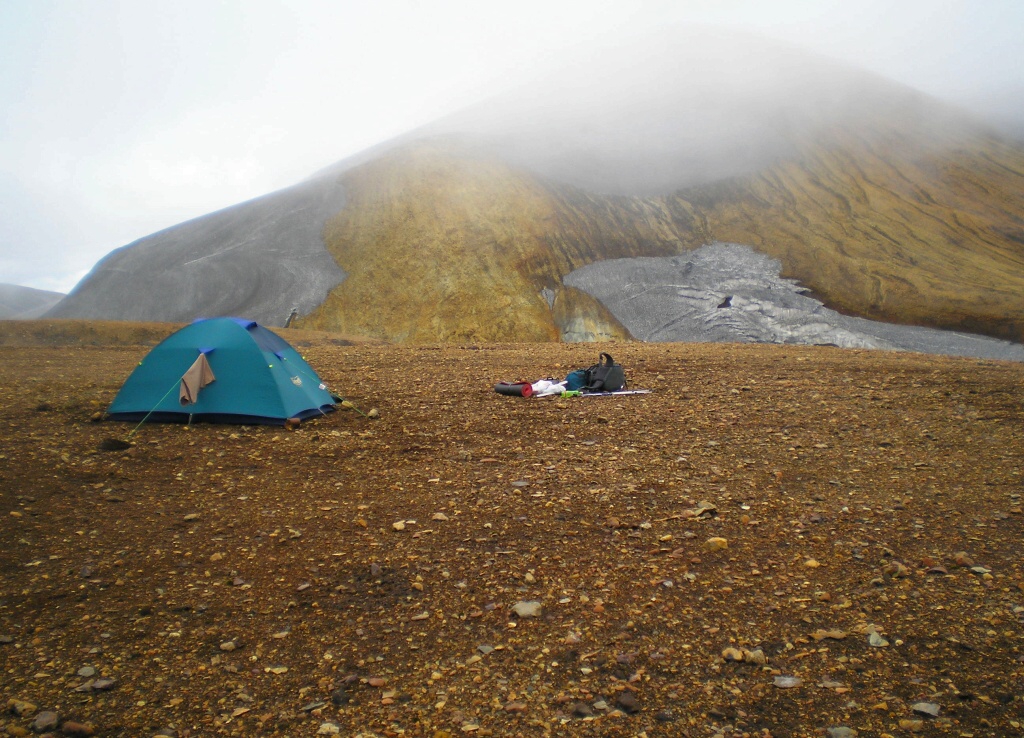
222	370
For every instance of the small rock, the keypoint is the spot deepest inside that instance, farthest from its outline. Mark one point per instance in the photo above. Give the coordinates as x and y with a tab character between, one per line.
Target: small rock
515	707
399	525
755	657
812	564
912	726
787	682
716	544
340	697
439	516
926	708
835	635
86	672
228	646
876	641
704	508
896	570
45	721
527	609
627	702
374	413
190	517
582	709
732	654
962	558
21	708
328	729
842	732
664	716
103	684
376	681
73	728
6	639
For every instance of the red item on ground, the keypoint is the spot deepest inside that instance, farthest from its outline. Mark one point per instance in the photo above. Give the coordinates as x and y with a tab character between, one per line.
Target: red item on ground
514	389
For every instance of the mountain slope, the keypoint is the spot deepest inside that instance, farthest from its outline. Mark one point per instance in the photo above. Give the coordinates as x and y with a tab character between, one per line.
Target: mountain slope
260	259
19	303
920	238
886	203
883	229
438	246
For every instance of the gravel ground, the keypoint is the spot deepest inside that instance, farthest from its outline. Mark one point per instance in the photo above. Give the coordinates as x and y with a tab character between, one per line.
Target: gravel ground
784	541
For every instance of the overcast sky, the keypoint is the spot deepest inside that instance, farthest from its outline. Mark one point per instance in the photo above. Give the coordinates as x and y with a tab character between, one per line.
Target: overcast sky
120	118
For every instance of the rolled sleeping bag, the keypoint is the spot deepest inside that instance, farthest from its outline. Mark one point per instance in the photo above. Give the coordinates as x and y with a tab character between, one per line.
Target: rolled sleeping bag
514	389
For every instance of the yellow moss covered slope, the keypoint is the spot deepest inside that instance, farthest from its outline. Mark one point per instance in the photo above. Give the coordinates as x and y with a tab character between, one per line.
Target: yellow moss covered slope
441	247
888	231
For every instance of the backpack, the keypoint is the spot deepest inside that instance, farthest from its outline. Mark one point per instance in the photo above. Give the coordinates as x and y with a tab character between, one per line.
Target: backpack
605	376
577	380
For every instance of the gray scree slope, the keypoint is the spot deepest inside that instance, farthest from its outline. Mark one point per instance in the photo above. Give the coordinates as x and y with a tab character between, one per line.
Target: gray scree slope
729	292
259	260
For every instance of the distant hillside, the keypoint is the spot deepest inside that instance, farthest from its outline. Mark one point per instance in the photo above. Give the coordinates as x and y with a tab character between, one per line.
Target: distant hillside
19	303
875	228
890	228
884	202
259	259
23	333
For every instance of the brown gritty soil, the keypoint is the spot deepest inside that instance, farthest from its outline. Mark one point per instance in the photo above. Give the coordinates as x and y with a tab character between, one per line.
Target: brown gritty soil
360	576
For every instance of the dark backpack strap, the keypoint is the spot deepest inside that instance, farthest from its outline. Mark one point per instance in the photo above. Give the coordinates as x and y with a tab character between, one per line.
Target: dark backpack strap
597	373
